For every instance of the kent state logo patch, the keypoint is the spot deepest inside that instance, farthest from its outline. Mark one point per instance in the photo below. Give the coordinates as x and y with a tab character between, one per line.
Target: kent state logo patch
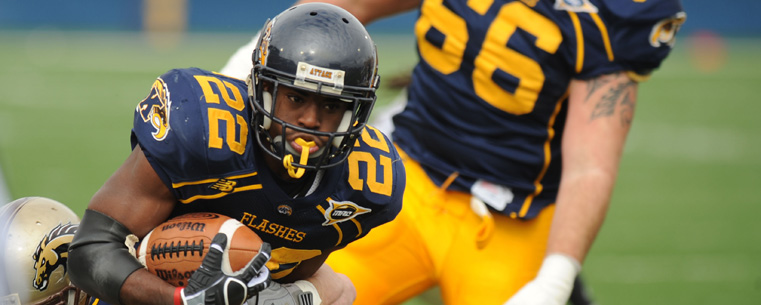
664	32
578	6
340	211
154	109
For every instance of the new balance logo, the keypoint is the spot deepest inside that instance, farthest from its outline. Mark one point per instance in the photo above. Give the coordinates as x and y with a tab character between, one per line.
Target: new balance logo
224	185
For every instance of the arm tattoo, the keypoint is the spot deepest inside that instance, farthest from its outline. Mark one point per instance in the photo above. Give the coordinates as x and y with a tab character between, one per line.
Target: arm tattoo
619	95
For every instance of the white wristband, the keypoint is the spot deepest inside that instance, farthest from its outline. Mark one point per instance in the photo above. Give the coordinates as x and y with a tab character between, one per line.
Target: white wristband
553	283
560	267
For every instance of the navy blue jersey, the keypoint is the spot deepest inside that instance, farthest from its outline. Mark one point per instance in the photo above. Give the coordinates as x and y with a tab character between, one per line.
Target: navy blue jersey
488	98
194	130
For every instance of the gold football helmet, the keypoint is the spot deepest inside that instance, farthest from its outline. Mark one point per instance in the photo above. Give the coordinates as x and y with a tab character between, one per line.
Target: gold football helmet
35	233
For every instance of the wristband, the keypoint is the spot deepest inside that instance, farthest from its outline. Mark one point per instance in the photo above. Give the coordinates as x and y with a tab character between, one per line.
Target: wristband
560	267
178	296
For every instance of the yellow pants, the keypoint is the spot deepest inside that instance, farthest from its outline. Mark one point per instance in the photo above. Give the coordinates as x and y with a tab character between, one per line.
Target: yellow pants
433	242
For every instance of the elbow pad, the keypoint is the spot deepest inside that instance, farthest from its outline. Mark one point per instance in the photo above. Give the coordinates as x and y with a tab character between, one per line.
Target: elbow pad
99	261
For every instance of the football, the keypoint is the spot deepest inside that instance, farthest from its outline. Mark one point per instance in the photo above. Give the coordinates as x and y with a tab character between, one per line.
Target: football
176	248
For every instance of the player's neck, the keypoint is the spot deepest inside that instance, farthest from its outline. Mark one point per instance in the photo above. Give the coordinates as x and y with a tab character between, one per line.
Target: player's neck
292	186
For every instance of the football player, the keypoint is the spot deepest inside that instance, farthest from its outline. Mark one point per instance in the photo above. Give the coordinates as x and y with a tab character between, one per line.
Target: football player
515	123
35	233
287	152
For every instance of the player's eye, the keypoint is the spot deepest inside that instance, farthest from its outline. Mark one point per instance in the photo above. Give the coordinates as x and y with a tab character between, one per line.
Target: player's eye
295	98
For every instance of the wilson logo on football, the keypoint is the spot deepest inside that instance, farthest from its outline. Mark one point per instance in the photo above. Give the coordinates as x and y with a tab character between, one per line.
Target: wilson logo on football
340	211
188	225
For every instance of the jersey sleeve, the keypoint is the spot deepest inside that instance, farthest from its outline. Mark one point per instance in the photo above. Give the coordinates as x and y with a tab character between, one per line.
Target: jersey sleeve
376	171
192	126
628	35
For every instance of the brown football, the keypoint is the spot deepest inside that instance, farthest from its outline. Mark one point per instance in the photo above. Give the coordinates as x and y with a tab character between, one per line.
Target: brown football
175	249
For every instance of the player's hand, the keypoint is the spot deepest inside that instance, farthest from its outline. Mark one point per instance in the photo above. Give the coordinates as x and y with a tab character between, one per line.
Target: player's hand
298	293
210	286
552	285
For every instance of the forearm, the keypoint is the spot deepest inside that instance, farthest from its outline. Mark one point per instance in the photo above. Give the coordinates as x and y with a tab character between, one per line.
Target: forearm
143	287
600	112
333	288
580	210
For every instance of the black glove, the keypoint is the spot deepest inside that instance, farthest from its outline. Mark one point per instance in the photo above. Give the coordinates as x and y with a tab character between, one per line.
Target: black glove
210	286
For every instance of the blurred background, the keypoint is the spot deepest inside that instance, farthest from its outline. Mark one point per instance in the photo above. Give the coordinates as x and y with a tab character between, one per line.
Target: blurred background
682	226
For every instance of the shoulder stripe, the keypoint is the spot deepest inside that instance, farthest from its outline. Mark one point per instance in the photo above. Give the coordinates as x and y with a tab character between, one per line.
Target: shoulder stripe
579	41
604	32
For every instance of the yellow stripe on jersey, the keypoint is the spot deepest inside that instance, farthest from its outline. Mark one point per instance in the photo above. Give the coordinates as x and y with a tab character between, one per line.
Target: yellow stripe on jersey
222	194
579	41
178	185
359	227
335	225
550	135
604	32
224	185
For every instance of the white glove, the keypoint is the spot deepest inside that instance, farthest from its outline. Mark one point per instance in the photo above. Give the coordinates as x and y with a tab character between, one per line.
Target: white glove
552	285
296	293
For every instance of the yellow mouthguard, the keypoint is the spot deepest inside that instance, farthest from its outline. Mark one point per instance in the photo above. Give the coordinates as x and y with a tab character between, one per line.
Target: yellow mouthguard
297	172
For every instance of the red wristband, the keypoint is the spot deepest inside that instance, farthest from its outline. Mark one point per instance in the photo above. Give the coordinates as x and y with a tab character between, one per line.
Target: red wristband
178	296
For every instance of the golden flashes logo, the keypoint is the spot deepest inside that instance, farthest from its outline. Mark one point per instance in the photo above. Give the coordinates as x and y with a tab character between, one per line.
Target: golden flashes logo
664	32
340	211
52	252
154	109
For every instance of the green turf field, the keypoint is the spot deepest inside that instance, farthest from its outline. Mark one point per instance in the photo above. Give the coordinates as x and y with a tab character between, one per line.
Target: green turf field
682	226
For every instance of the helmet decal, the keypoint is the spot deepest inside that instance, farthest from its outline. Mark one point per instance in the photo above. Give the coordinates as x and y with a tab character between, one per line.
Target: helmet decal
664	32
52	252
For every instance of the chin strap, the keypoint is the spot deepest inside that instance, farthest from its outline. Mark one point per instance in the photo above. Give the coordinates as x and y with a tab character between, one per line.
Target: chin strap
297	172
